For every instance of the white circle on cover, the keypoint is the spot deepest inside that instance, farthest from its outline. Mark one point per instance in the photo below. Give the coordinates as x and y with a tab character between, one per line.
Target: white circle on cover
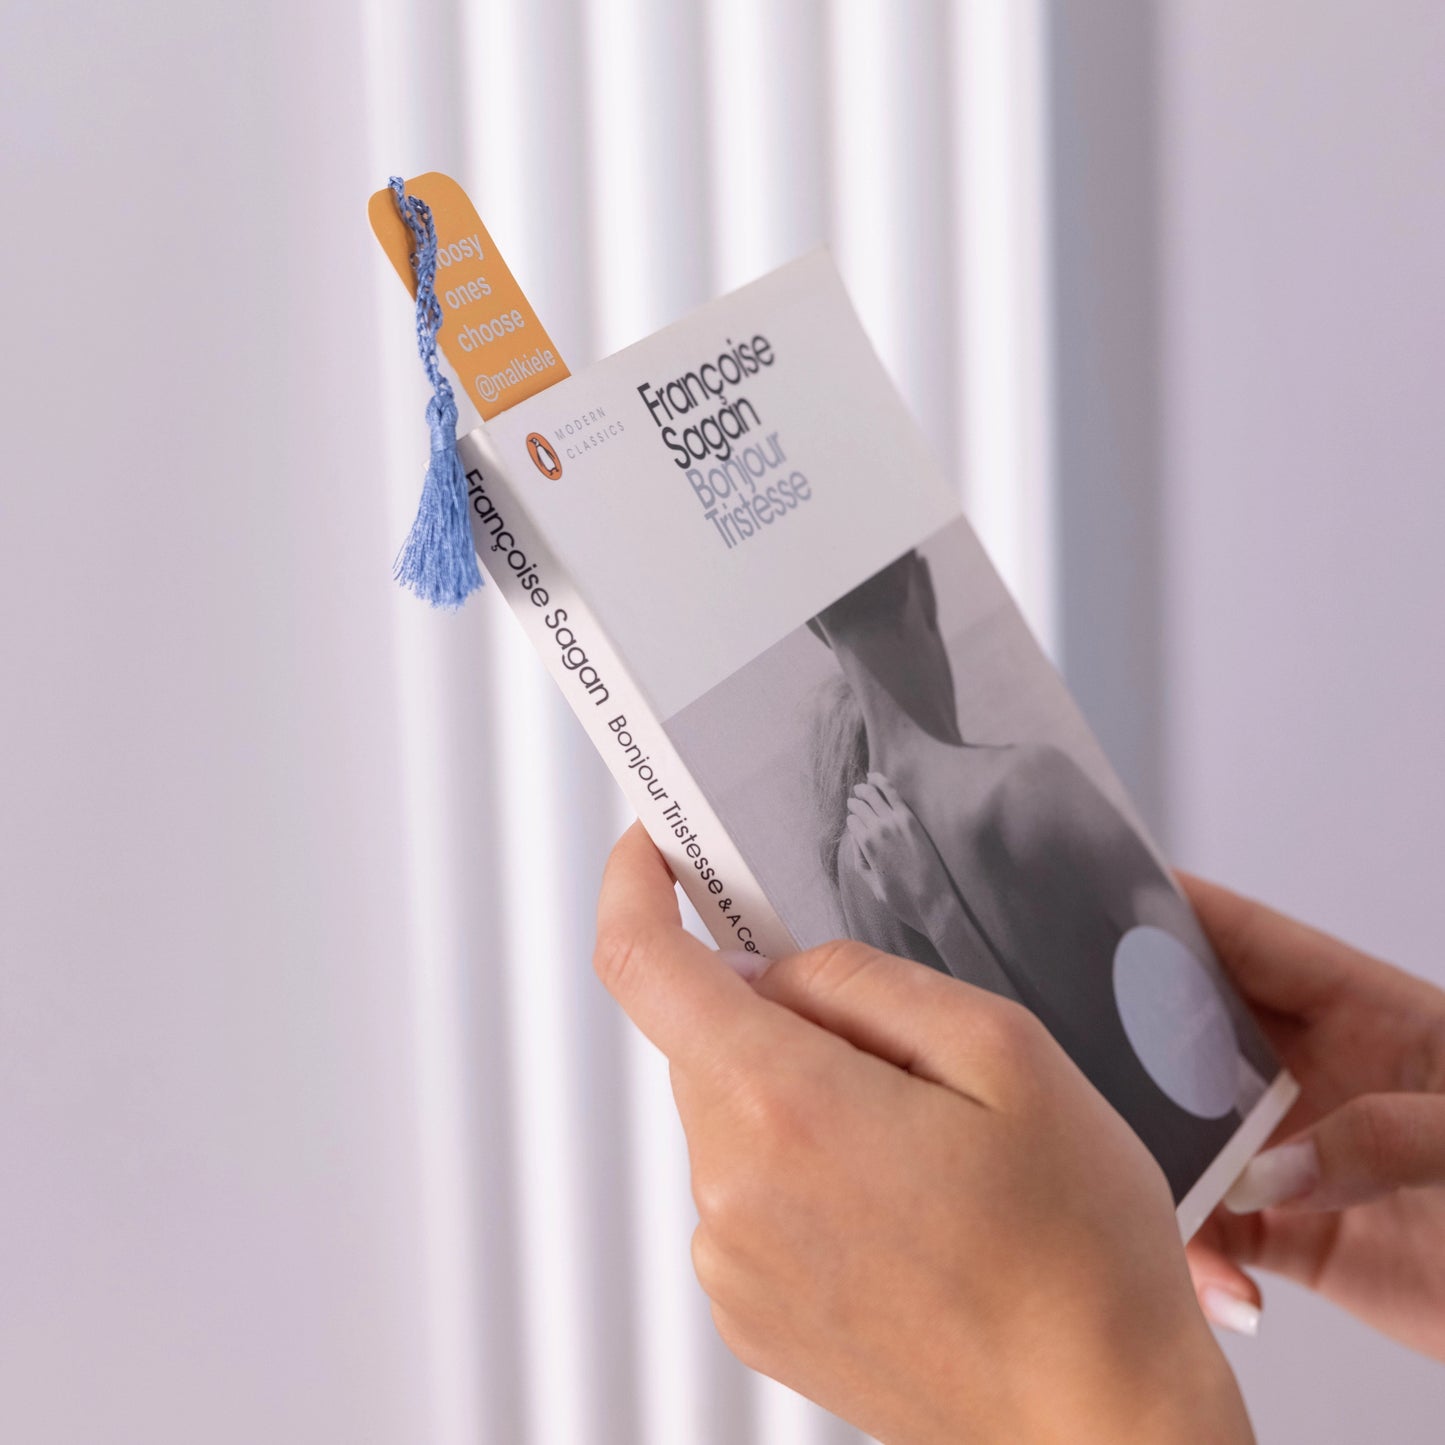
1176	1021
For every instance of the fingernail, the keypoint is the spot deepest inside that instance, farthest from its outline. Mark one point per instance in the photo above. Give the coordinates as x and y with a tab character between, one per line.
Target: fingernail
748	965
1230	1312
1286	1172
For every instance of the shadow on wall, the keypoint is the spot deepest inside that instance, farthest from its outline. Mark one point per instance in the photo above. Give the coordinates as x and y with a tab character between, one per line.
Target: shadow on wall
1108	428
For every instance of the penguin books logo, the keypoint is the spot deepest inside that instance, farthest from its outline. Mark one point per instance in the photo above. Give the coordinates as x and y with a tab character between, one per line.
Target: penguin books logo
543	457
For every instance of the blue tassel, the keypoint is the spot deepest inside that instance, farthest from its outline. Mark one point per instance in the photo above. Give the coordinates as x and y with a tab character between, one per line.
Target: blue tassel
438	561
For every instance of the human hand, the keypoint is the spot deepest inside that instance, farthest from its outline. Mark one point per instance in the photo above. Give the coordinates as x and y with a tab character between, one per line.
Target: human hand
1351	1203
913	1208
899	862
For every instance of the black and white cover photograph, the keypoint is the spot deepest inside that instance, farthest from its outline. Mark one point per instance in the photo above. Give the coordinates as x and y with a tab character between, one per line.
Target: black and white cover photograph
907	769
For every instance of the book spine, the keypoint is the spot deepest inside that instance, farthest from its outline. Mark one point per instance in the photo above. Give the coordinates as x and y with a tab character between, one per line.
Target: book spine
614	711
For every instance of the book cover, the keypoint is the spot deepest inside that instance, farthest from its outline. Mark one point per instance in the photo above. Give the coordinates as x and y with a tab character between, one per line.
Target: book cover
731	546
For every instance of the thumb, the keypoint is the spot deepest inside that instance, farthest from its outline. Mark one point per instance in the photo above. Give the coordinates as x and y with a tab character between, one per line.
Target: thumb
1368	1148
687	999
933	1025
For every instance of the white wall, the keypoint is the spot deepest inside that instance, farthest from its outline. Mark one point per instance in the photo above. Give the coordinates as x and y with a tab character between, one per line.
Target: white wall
1302	180
1250	334
212	1219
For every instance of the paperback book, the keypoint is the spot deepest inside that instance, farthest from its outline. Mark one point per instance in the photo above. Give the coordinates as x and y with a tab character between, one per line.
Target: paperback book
733	549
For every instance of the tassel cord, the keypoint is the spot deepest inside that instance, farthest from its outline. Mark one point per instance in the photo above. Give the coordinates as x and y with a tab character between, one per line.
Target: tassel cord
438	560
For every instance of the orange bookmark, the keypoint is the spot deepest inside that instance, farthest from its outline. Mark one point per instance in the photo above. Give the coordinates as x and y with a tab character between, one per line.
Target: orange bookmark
490	335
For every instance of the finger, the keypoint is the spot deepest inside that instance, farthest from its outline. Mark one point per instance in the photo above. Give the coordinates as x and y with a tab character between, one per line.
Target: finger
674	988
858	831
890	794
1368	1148
1229	1298
935	1026
1294	1246
858	808
869	796
1275	961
